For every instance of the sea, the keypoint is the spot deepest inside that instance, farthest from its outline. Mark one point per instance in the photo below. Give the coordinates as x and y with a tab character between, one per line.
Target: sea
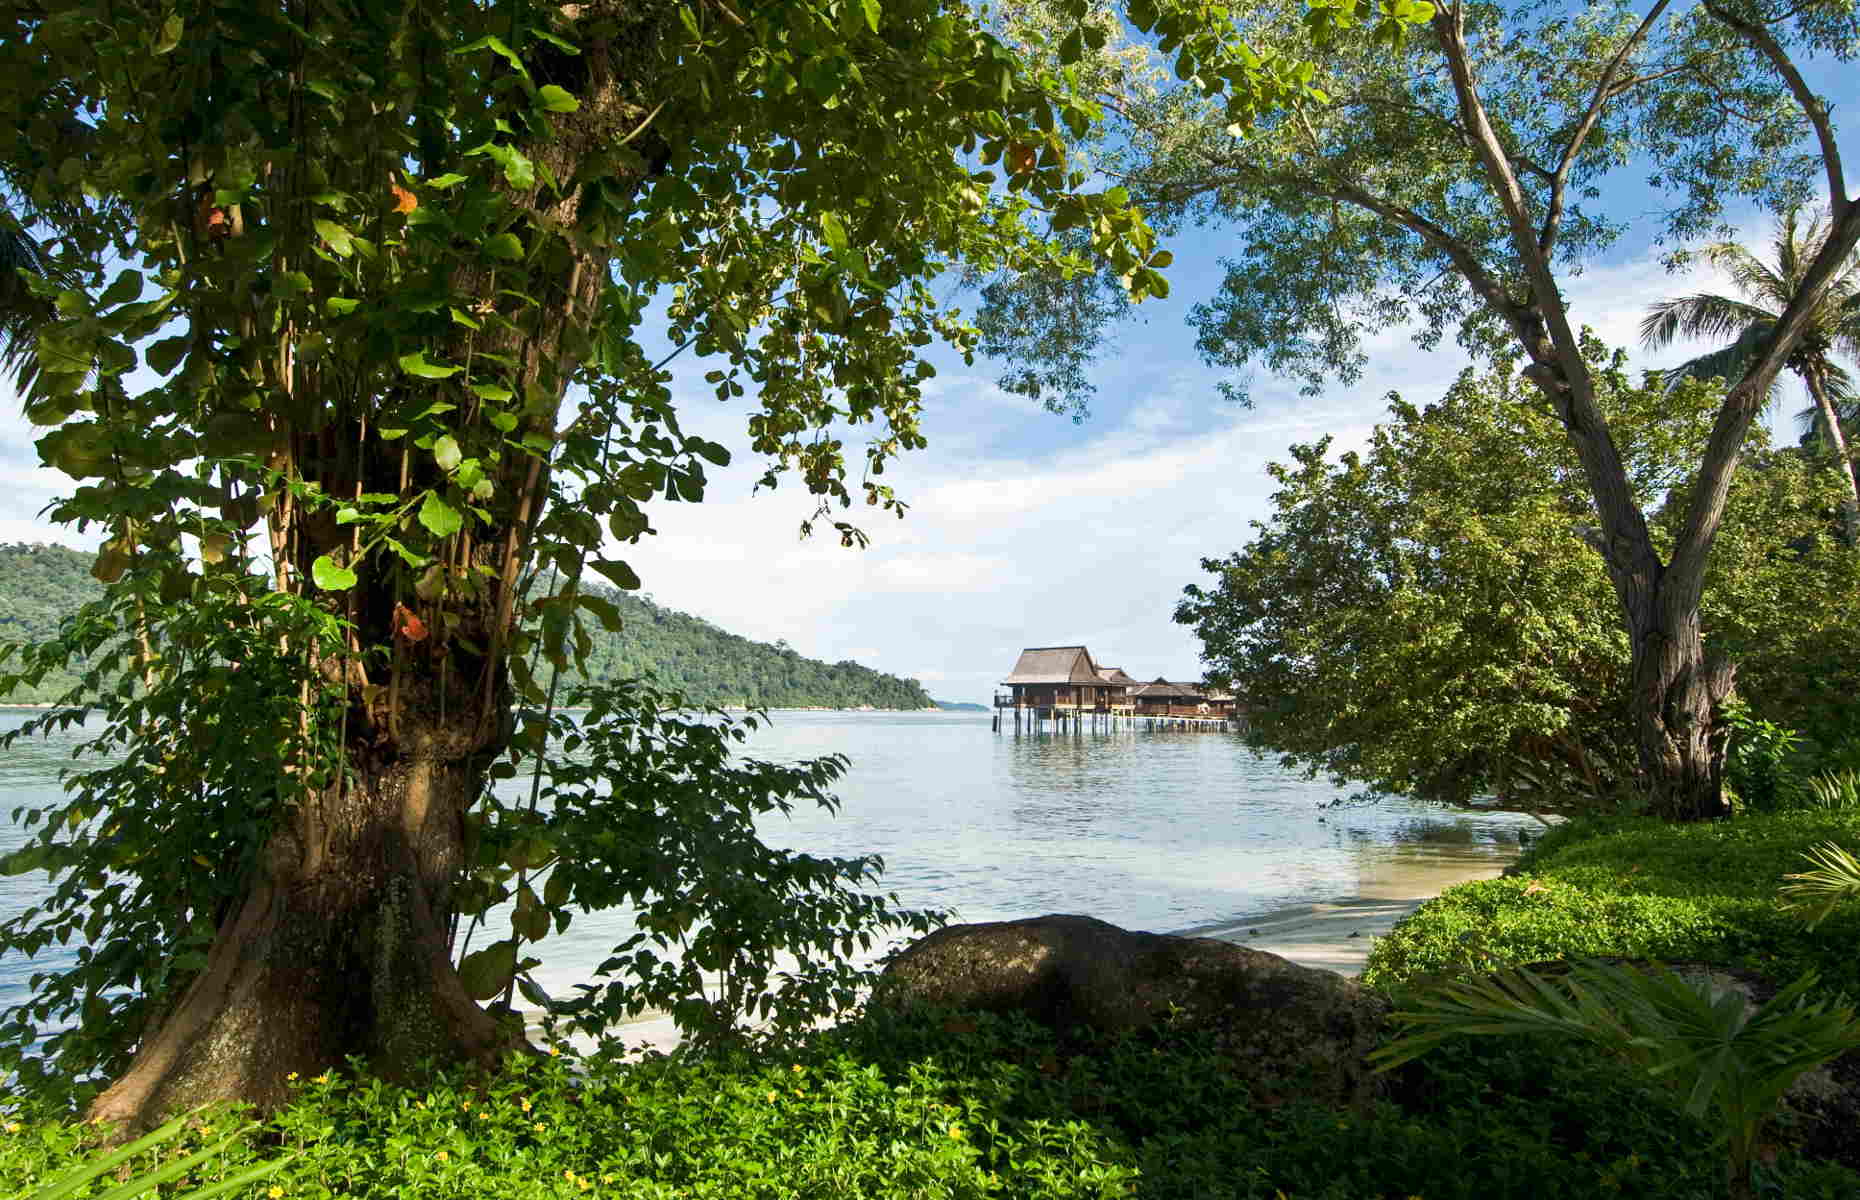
1165	830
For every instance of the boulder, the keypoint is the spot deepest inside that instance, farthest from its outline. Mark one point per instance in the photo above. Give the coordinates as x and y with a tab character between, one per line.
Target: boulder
1280	1025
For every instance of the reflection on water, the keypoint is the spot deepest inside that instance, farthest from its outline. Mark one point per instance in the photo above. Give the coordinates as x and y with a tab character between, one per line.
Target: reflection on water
1147	829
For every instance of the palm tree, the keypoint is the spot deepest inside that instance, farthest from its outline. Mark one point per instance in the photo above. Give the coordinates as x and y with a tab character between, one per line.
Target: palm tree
1834	327
22	314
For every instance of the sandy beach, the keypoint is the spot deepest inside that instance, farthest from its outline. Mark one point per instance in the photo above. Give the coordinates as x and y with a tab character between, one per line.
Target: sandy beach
1336	935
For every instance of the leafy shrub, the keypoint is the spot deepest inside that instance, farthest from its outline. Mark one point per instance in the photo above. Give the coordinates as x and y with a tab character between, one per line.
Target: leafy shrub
1709	1051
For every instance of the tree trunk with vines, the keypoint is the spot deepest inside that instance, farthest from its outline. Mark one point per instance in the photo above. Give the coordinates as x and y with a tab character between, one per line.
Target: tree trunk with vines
341	947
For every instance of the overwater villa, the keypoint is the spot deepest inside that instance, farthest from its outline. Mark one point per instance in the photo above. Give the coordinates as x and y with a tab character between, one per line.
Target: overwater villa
1063	684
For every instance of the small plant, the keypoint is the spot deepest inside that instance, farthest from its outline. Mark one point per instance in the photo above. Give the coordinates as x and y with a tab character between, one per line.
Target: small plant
73	1182
1835	790
1817	893
1757	763
1709	1050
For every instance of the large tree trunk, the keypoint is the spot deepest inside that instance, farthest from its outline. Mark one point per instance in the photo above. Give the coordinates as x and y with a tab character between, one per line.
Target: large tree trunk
1816	377
1678	691
341	947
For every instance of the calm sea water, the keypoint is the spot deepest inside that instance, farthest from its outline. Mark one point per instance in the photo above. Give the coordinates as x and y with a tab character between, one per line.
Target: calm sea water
1149	830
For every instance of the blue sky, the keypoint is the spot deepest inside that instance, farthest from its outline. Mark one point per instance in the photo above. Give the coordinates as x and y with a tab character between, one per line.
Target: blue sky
1024	528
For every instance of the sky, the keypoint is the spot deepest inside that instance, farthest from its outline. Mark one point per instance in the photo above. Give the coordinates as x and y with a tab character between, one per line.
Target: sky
1024	528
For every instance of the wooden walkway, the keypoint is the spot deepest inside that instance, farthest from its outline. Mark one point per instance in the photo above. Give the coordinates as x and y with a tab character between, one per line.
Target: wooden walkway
1076	720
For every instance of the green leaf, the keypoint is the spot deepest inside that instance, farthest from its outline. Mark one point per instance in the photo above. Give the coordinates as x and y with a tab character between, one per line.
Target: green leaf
603	609
450	179
329	576
416	364
170	36
833	230
446	452
165	355
440	518
496	45
486	973
336	236
871	14
618	574
340	306
495	393
551	98
505	246
125	287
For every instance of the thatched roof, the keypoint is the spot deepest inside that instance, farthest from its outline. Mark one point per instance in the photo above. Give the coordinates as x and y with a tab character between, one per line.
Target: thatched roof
1116	678
1162	689
1054	664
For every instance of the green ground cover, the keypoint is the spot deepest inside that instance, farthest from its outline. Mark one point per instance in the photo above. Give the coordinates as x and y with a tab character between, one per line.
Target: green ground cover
1642	889
979	1108
982	1107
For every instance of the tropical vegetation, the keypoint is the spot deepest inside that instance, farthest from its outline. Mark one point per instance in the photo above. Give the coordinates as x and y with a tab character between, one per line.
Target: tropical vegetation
1426	617
356	354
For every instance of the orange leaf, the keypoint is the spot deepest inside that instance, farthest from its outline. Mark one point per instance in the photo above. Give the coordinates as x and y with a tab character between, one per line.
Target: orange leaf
1020	158
404	200
408	625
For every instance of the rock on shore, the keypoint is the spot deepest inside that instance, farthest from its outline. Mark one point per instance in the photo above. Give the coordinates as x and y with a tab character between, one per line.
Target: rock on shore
1282	1026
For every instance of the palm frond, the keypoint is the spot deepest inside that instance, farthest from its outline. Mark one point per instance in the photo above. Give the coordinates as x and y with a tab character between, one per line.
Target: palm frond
22	313
1704	316
1750	274
1834	881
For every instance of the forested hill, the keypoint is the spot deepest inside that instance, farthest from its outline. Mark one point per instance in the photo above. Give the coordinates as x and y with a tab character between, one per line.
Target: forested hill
40	584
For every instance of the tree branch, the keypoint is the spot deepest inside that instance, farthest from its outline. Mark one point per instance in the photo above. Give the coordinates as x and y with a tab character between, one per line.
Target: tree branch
1812	107
1605	91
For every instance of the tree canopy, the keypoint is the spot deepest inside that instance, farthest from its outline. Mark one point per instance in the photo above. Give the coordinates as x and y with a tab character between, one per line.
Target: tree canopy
1425	618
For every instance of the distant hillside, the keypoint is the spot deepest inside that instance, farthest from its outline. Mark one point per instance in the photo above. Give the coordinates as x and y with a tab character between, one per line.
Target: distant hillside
40	584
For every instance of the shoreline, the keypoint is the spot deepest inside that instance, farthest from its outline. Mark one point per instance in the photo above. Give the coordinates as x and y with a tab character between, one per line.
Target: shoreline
1331	935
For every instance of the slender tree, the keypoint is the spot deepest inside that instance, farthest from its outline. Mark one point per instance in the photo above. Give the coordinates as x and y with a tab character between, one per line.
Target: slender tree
1832	327
1449	182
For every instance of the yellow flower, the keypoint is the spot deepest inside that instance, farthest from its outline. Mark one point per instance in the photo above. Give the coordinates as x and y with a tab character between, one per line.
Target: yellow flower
291	1076
484	1114
274	1191
771	1097
955	1131
538	1127
797	1068
465	1104
607	1179
323	1078
12	1126
555	1051
442	1156
526	1104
